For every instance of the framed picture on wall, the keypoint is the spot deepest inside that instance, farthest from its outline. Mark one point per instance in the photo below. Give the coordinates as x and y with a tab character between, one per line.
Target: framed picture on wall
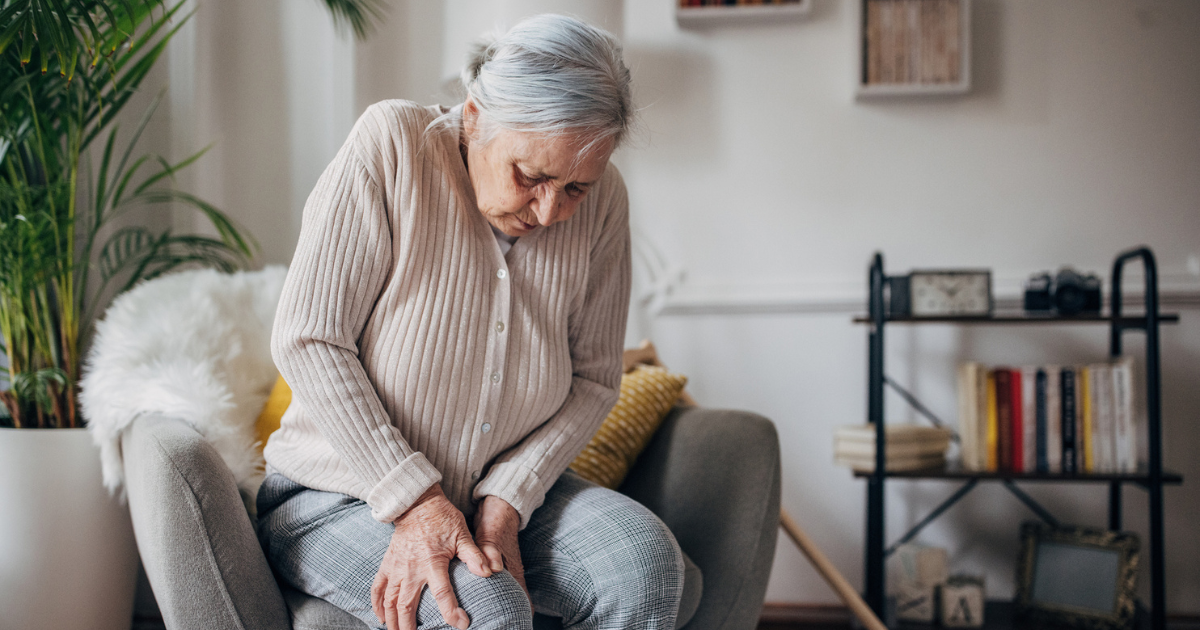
914	48
1076	577
705	13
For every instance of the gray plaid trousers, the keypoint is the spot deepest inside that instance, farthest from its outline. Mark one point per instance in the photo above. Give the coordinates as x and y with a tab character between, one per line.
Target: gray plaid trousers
594	557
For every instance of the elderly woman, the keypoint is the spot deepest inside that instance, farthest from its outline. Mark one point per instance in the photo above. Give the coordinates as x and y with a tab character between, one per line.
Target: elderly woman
451	326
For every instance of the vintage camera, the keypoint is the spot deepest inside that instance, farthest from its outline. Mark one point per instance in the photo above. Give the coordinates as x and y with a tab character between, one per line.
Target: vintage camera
1039	295
1069	293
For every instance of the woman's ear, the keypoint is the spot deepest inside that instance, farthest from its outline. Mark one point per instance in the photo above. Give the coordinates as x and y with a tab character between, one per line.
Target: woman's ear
470	116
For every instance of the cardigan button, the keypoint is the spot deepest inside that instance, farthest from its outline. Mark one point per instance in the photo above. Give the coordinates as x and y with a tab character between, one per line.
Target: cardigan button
475	475
499	327
486	427
495	377
502	274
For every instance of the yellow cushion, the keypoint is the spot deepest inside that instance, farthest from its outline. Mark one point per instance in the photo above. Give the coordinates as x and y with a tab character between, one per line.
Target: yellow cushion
272	412
647	395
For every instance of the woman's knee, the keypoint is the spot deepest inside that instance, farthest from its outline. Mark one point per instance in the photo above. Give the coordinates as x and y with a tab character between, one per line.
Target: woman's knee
644	551
637	575
626	548
496	602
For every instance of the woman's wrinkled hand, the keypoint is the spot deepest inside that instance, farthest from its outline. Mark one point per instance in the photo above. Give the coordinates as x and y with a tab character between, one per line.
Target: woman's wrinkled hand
496	527
427	537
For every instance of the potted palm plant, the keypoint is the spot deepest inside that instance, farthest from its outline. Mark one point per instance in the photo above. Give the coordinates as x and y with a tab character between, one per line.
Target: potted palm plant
69	186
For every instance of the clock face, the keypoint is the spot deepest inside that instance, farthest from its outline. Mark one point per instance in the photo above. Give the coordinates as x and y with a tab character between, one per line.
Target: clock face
950	293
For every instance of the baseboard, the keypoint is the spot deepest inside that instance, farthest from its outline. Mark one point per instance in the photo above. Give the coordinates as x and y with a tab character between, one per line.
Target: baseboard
807	616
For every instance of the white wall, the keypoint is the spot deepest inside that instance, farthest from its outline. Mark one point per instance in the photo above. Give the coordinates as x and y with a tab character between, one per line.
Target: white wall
771	186
763	180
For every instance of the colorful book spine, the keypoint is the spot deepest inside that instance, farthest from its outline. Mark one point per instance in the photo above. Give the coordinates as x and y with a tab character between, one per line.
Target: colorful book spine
992	429
1018	421
1054	442
1126	436
1079	420
1068	421
1029	417
1102	418
1004	419
968	408
1039	394
981	424
1087	422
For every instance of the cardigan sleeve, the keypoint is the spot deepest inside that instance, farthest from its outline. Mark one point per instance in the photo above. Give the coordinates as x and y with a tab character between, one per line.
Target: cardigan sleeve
342	262
523	474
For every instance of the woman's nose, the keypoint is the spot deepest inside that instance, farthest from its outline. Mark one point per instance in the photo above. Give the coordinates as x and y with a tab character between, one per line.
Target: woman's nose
546	207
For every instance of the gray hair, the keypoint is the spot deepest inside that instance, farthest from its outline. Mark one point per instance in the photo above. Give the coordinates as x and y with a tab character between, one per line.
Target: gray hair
553	75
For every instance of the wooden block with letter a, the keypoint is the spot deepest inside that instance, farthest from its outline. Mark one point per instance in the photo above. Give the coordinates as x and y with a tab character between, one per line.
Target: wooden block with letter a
962	602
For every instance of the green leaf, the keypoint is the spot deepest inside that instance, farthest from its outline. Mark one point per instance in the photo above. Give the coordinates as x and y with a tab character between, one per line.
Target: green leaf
169	170
27	41
137	134
229	232
35	385
45	40
361	15
102	177
128	245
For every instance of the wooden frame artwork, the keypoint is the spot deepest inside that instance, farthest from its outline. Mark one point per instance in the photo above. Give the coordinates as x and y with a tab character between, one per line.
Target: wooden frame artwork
914	48
1077	577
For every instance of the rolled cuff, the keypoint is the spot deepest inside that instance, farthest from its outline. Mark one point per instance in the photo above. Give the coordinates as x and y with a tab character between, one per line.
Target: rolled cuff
519	486
401	487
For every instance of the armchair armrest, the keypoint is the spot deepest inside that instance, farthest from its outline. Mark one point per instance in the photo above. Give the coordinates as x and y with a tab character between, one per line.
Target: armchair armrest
713	477
197	543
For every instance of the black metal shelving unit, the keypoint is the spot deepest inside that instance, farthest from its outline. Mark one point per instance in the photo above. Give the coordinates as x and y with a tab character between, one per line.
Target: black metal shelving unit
1152	478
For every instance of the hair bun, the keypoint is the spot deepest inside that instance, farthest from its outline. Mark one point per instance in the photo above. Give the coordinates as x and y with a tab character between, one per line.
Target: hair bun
481	52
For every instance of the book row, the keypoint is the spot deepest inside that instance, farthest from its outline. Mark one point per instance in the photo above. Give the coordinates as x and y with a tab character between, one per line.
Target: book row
912	41
1048	419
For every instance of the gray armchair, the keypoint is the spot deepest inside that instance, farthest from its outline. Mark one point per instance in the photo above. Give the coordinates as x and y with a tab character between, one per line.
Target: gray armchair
712	476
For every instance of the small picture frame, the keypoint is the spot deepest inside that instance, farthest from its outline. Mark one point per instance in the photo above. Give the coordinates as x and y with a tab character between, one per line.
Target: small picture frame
1077	577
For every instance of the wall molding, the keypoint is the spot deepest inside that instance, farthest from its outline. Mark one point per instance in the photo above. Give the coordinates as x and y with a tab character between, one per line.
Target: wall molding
1177	291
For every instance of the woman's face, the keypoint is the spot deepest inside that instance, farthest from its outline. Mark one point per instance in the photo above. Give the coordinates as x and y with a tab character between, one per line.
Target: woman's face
524	180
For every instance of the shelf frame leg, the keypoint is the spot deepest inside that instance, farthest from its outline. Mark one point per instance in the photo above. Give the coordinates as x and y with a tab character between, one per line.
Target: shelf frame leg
1154	481
1114	506
873	575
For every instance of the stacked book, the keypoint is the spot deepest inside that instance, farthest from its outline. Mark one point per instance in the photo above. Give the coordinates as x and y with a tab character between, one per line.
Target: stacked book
1048	419
909	447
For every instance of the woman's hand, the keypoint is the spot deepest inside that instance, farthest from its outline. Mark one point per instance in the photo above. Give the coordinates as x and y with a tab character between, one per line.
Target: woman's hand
496	526
428	536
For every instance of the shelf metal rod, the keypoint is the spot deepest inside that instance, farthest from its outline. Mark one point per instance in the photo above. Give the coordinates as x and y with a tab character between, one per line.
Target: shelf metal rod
1030	503
938	511
918	406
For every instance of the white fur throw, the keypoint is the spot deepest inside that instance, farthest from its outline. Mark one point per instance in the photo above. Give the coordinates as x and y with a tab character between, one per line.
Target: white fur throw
194	345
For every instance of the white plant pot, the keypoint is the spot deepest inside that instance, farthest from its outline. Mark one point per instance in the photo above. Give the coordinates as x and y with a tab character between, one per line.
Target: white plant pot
67	554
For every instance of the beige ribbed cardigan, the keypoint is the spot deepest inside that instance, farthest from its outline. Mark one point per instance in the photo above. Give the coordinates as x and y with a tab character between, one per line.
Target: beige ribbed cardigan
418	353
